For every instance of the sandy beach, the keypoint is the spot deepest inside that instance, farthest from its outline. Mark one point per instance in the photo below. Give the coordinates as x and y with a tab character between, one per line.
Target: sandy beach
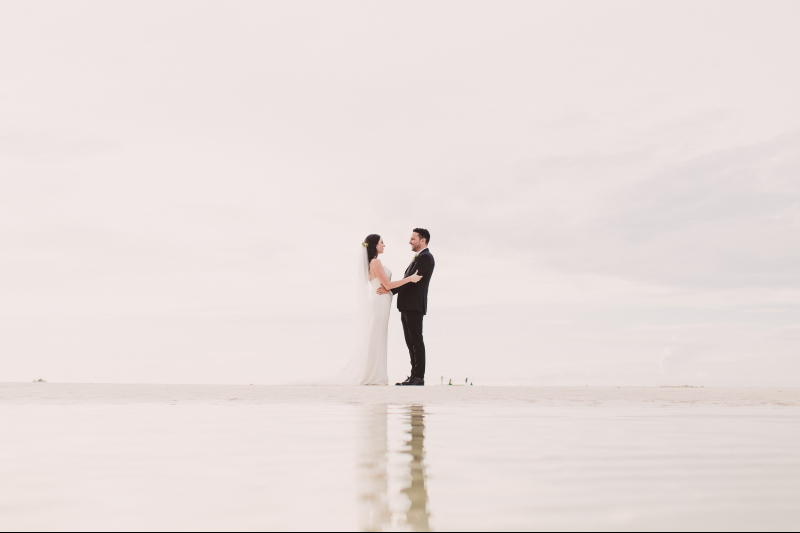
69	394
152	457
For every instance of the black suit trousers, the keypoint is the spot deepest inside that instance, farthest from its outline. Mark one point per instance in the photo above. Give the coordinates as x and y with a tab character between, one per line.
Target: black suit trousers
412	329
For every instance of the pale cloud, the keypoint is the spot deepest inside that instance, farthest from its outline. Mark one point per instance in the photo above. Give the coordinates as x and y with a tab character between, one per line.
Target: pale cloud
181	183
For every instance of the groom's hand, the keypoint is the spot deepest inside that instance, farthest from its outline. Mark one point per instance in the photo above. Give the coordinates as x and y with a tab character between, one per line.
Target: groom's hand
382	291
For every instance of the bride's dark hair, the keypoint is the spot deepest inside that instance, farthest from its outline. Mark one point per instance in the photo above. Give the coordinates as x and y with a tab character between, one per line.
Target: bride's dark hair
372	246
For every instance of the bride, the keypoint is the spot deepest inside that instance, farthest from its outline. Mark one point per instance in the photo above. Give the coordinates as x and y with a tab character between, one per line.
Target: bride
368	364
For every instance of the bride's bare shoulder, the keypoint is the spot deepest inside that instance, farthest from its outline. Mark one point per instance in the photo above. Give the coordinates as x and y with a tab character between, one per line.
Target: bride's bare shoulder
375	268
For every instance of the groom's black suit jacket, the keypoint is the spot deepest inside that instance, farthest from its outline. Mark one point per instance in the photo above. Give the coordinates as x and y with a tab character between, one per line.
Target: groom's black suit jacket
414	296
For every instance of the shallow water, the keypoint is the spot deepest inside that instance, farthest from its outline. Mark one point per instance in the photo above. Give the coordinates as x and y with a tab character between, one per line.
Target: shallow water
68	464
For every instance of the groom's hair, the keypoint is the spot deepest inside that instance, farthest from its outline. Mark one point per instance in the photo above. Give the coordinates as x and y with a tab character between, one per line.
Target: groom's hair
423	234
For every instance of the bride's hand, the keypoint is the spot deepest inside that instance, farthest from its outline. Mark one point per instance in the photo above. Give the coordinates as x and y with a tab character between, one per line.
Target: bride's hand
414	277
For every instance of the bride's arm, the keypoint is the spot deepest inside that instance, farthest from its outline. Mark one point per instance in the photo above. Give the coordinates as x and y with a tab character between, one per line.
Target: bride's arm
377	267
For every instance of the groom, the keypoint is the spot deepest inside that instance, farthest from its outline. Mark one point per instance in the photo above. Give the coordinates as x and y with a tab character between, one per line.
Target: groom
412	303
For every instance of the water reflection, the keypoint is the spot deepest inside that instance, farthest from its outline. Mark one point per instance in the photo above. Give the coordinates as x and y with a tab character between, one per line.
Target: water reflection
394	493
417	516
373	466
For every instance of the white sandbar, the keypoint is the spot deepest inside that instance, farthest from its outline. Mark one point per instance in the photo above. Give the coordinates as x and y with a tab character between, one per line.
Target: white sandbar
154	457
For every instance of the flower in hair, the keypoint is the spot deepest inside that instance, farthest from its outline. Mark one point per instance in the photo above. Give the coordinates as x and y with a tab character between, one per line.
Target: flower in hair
364	244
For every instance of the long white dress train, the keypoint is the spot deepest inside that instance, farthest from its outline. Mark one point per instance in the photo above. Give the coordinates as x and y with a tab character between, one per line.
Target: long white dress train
376	372
368	365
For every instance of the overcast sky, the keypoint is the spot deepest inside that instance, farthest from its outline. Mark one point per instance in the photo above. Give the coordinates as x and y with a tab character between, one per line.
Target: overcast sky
612	188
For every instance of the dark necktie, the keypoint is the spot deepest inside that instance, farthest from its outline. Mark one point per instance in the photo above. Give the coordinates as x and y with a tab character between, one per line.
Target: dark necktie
410	269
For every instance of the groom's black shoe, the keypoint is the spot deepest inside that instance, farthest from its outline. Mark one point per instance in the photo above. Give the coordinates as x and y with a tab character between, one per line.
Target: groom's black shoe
414	382
406	382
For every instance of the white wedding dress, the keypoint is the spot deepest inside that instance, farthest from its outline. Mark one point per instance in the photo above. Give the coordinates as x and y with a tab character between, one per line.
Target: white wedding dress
379	308
367	365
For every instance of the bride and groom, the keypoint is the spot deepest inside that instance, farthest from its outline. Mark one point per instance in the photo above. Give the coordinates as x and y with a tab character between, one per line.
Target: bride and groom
376	291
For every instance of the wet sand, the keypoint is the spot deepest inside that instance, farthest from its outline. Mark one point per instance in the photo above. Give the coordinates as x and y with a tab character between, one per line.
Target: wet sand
67	394
155	457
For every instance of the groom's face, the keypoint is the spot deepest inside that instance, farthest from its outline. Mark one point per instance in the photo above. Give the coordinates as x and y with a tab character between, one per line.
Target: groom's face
416	244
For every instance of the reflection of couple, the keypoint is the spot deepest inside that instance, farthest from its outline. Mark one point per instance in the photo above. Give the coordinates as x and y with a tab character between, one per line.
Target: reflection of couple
376	289
376	500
